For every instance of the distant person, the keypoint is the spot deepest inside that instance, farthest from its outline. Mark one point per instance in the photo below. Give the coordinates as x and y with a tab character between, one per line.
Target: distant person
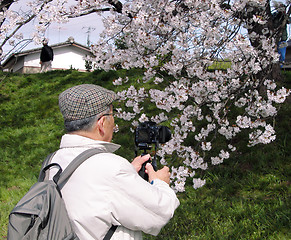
46	57
278	18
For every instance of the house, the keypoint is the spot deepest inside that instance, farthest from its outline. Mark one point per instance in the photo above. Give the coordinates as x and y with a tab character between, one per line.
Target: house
67	55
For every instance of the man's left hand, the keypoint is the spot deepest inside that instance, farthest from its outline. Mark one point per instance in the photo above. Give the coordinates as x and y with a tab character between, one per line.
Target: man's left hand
138	161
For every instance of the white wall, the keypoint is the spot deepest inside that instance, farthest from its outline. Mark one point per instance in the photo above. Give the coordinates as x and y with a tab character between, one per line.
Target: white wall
69	57
32	60
64	58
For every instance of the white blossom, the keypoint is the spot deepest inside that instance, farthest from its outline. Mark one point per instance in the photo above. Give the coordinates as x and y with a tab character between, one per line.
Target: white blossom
198	183
206	146
231	147
216	160
117	81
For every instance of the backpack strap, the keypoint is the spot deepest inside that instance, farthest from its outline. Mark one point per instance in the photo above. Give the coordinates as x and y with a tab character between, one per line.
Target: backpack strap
48	159
72	167
110	232
42	175
62	178
66	174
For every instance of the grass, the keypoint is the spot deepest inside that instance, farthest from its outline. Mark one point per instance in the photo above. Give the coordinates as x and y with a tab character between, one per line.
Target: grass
219	64
247	197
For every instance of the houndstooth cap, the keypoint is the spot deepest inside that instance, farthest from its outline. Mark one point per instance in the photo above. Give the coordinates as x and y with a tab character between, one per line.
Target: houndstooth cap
84	101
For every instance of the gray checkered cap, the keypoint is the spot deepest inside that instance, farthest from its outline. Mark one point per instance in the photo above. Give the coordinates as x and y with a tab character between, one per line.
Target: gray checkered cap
84	101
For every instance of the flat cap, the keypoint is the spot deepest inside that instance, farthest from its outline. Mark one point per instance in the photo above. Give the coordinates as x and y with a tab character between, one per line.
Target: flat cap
83	101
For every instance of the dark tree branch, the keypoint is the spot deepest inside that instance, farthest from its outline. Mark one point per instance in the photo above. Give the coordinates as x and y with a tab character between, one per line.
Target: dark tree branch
116	4
5	4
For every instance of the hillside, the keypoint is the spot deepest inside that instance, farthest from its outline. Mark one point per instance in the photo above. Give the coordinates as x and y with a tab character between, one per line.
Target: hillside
247	197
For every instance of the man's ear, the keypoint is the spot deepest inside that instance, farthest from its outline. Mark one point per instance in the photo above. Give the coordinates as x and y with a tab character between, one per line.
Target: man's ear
99	126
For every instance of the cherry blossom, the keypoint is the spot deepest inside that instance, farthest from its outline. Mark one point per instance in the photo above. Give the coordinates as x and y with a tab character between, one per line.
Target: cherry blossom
184	39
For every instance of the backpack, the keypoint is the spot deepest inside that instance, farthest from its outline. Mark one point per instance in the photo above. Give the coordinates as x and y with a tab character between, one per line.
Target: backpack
41	214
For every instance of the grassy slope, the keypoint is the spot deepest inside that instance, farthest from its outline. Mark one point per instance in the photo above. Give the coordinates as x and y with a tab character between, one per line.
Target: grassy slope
248	197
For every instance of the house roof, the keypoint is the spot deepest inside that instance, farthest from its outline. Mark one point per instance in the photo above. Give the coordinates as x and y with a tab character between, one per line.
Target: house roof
69	42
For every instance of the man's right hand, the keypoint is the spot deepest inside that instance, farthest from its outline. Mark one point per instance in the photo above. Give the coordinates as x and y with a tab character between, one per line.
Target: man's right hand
162	174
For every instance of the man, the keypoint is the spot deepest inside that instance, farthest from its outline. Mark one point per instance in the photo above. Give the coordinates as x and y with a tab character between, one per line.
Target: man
46	57
278	19
106	189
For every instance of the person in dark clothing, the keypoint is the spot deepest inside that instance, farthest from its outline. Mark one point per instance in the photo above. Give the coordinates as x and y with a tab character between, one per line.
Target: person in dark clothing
278	18
46	57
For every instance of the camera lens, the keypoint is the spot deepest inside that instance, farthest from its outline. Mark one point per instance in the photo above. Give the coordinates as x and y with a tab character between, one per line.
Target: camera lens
164	134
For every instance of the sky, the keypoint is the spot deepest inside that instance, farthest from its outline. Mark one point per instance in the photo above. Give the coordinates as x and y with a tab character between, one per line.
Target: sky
80	28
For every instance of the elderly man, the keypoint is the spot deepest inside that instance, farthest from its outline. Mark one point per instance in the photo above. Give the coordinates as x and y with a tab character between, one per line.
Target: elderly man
106	189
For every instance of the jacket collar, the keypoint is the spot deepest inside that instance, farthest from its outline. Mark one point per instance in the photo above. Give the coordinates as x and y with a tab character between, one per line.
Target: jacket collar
77	141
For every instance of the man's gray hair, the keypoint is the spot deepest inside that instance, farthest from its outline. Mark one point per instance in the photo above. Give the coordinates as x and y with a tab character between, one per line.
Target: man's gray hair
85	124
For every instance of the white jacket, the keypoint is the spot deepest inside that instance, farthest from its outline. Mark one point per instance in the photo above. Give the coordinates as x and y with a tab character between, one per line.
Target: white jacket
106	190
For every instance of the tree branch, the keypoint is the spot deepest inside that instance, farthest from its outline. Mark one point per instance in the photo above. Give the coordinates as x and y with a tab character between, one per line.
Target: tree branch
5	4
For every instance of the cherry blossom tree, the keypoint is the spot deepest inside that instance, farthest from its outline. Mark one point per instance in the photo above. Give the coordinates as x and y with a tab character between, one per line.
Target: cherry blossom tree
182	45
184	39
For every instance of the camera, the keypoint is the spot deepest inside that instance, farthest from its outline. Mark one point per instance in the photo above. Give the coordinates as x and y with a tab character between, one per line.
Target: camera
146	134
149	132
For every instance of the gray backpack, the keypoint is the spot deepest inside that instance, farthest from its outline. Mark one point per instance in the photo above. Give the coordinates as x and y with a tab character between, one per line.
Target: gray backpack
41	214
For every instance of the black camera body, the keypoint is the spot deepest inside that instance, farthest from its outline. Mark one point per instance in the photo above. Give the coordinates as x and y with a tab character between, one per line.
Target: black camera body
146	134
149	132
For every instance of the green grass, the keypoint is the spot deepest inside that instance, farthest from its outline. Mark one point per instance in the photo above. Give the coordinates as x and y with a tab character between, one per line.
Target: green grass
247	197
221	65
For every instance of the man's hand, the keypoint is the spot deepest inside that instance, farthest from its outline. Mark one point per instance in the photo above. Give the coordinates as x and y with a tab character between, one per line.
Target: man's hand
138	161
162	174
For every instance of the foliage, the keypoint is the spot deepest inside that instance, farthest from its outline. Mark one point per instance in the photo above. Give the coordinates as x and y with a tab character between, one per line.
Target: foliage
247	197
